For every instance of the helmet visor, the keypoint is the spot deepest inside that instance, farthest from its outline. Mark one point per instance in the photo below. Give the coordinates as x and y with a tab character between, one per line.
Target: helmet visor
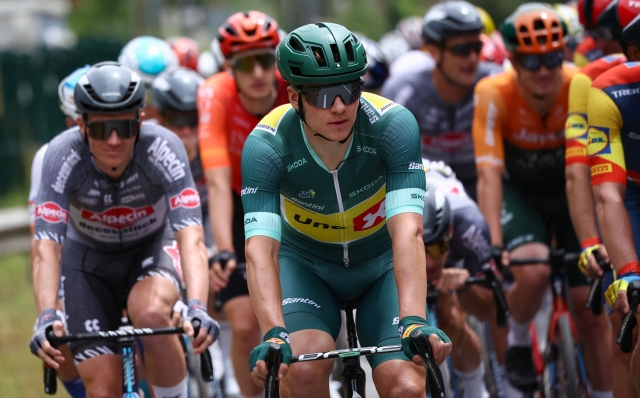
124	128
324	97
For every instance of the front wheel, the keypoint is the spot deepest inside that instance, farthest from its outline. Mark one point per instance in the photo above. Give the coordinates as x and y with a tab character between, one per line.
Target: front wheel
562	364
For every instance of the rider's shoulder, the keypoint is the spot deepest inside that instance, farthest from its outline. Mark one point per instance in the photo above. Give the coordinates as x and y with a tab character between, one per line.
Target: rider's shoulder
153	136
221	85
624	74
277	124
378	110
601	65
500	84
70	138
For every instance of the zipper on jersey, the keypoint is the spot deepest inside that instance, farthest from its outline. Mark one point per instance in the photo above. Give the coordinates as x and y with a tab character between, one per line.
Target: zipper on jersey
345	246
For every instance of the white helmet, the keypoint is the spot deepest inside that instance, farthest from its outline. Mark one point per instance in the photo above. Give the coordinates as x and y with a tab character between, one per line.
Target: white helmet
148	57
65	92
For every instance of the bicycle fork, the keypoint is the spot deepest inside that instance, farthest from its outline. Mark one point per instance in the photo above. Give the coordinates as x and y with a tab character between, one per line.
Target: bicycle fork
129	373
353	377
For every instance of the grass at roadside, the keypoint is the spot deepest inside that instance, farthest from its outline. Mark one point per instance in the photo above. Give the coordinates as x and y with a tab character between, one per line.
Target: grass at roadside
20	372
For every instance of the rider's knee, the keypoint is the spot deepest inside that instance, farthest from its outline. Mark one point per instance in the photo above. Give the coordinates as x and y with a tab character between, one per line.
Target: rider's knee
106	392
246	330
591	323
409	387
302	375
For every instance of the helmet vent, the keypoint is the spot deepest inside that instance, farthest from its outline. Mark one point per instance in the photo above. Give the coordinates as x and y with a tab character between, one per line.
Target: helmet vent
296	71
321	60
231	31
92	93
130	89
525	37
335	52
251	32
351	56
295	44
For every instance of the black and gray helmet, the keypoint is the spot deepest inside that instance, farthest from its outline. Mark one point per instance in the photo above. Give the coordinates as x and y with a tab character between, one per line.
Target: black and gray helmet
108	88
176	90
437	216
450	19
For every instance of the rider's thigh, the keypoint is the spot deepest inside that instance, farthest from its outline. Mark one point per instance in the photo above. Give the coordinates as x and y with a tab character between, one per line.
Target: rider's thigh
536	275
150	302
398	378
102	376
309	379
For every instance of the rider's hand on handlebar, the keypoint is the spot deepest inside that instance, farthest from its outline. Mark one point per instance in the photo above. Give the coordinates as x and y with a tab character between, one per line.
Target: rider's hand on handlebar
219	276
39	344
451	279
588	263
209	328
440	343
616	294
258	357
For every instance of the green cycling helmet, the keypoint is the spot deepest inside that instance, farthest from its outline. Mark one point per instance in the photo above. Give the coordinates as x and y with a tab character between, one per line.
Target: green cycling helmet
322	53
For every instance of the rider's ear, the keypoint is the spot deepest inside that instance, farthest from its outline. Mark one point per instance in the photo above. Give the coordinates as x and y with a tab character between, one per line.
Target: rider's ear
293	97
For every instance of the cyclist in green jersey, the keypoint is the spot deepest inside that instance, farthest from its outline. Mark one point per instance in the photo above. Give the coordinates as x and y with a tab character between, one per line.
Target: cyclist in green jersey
322	176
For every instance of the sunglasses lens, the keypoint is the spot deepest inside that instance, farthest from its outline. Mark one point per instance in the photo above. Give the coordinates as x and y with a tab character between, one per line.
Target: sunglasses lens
182	119
553	60
246	64
102	130
325	97
533	62
463	50
437	249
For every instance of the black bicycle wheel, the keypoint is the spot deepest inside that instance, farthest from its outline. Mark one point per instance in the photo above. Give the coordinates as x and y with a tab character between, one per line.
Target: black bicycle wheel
567	361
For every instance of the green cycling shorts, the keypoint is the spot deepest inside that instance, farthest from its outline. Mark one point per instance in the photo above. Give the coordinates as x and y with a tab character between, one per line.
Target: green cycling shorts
312	290
529	218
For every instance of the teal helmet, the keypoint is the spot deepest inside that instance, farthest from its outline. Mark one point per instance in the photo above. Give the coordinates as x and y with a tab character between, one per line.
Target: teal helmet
323	53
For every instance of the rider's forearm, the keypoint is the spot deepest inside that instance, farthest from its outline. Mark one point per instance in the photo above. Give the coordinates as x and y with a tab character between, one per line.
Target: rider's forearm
263	281
478	301
193	258
615	224
409	263
221	207
490	200
580	198
46	273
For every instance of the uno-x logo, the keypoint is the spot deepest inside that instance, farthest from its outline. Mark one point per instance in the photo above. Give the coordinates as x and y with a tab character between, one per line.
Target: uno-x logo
118	217
370	217
52	212
188	198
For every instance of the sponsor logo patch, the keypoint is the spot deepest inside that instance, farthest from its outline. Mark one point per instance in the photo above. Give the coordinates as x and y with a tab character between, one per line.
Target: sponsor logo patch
65	171
371	217
118	217
161	154
598	141
52	212
188	198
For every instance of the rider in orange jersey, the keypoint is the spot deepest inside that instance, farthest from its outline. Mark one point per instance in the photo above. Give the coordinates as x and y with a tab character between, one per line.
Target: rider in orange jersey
230	105
518	135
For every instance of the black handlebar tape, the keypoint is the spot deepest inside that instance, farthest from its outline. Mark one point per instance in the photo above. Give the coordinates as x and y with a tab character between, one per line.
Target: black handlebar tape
206	365
50	374
502	308
224	257
420	346
274	359
594	300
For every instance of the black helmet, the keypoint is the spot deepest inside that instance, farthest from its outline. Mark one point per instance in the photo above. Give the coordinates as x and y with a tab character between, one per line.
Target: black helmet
437	216
377	66
608	19
450	19
176	90
109	87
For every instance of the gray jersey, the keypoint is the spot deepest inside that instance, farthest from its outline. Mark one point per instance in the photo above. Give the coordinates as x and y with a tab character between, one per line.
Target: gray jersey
445	129
471	241
76	200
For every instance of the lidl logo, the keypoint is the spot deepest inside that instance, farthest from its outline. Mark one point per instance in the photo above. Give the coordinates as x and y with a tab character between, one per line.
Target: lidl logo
598	141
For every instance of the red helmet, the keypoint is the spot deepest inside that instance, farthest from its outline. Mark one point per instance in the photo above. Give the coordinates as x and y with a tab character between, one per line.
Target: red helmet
248	30
493	49
590	10
187	51
627	11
